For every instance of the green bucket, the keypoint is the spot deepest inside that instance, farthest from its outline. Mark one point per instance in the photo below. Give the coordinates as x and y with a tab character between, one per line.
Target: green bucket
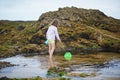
67	56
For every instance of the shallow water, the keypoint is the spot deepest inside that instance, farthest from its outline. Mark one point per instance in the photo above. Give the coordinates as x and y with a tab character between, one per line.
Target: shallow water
109	72
38	65
26	67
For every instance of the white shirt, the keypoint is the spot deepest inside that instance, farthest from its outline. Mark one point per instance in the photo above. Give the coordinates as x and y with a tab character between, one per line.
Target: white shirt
52	32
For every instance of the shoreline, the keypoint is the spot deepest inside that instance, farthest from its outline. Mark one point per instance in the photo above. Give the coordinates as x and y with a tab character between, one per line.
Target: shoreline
79	62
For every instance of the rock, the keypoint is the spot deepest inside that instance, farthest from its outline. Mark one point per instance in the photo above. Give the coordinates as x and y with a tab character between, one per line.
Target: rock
5	64
90	17
21	27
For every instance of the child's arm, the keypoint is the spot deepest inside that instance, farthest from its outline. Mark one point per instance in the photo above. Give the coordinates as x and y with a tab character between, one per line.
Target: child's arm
57	35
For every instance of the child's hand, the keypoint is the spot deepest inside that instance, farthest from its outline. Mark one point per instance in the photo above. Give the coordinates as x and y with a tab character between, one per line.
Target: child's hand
60	44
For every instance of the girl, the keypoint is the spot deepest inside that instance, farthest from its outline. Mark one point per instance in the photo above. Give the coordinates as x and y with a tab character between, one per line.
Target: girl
51	35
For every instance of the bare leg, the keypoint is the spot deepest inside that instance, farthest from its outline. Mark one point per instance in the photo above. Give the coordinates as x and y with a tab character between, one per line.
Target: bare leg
51	50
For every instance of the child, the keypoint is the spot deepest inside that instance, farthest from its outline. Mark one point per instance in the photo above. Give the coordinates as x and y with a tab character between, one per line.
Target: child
51	34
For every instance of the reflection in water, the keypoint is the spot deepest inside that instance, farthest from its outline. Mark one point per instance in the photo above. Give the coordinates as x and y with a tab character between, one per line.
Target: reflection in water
112	70
27	67
38	66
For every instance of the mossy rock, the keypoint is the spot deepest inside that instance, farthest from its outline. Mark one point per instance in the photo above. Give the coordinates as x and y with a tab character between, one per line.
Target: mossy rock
56	71
30	48
83	75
